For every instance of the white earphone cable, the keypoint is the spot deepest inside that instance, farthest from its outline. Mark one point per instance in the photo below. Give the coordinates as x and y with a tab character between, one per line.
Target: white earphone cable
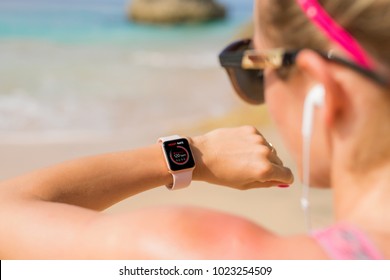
315	98
305	204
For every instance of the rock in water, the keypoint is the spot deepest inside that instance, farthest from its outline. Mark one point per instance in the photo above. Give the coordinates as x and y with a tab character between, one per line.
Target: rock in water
175	11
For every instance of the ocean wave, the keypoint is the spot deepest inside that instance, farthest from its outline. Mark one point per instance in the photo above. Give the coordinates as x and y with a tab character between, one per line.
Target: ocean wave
165	60
22	111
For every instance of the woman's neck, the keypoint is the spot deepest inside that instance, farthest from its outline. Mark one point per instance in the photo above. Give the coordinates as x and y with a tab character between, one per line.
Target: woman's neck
363	200
360	194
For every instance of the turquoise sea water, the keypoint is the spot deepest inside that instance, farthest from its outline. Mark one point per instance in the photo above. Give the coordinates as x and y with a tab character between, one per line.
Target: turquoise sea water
80	65
100	21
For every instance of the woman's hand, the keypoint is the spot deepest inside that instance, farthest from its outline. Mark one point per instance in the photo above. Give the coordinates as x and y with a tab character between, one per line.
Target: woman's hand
238	157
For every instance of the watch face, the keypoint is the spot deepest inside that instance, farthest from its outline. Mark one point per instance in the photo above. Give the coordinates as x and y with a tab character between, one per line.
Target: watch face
178	154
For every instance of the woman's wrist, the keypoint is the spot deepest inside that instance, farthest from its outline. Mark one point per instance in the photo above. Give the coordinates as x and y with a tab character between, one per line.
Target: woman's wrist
197	147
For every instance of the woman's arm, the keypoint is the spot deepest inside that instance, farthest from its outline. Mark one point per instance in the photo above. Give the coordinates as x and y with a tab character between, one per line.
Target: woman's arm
94	182
53	210
235	157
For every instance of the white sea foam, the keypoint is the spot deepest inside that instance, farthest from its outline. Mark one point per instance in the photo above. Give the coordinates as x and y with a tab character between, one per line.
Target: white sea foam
163	60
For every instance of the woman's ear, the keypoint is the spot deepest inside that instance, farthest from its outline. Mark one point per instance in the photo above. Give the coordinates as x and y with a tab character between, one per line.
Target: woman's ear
318	70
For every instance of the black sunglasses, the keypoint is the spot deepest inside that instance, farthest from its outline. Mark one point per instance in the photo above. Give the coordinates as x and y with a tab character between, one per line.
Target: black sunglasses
245	67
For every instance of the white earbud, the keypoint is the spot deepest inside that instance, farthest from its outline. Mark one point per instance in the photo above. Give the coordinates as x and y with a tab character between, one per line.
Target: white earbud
315	98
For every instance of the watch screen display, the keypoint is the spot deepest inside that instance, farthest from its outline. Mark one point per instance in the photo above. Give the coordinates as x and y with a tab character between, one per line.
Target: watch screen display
178	154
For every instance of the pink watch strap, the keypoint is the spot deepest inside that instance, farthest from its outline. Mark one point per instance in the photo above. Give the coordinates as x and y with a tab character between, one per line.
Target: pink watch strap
181	179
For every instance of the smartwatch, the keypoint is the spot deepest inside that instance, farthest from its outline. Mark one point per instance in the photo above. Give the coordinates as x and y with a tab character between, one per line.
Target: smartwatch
179	159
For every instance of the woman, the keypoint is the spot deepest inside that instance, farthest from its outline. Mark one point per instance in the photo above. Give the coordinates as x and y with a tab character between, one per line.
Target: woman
53	213
328	92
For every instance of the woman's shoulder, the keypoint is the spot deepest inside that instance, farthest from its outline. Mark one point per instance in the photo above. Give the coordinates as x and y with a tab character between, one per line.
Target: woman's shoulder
197	233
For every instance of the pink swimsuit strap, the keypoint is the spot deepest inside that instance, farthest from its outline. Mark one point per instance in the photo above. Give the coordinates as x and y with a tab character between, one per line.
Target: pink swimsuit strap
345	242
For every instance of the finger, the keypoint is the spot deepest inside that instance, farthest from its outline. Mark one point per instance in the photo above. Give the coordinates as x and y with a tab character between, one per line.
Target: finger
273	157
281	174
268	184
258	185
271	175
273	150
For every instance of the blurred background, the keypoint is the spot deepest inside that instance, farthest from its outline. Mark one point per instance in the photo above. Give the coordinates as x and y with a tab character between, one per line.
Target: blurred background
77	77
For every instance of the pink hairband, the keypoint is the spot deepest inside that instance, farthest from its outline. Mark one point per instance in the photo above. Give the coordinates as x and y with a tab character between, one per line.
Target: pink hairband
335	32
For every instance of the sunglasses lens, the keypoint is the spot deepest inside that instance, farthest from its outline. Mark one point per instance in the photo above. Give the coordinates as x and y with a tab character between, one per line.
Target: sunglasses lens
248	84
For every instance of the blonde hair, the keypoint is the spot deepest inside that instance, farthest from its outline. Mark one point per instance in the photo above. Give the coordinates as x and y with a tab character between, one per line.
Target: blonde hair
367	20
283	24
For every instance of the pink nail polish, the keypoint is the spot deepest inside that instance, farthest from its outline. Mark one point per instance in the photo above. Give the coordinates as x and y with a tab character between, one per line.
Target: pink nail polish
283	186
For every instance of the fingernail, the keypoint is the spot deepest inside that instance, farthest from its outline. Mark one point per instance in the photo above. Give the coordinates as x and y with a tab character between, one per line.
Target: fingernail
283	186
